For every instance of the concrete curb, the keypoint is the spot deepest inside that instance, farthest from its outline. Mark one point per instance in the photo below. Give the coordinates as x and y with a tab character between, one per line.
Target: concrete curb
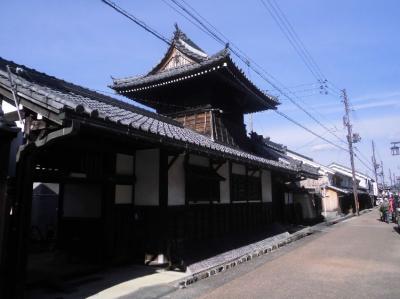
270	244
257	249
340	219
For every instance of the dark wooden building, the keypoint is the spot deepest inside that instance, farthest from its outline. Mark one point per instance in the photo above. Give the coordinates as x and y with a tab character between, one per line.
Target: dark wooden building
8	133
133	185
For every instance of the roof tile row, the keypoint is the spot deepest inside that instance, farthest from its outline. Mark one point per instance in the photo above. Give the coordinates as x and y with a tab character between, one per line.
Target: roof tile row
109	109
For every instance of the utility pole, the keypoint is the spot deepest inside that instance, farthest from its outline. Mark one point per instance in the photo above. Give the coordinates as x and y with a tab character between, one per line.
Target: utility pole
383	175
376	165
350	140
390	176
395	149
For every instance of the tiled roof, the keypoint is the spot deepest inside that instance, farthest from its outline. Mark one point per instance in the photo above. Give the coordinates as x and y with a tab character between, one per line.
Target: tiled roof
184	45
267	148
199	64
187	46
342	190
56	96
217	63
133	81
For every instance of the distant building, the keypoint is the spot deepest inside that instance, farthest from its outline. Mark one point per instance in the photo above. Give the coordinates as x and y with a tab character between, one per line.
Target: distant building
323	187
366	186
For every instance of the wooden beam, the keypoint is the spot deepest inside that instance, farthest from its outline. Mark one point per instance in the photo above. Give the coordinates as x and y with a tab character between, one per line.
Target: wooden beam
247	183
218	165
230	180
254	171
174	158
17	249
13	116
30	104
185	164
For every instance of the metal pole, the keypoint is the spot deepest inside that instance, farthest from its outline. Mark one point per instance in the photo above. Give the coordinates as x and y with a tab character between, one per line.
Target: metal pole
374	163
14	93
347	123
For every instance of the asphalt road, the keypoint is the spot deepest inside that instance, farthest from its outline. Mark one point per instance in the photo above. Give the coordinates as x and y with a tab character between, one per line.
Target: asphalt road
358	258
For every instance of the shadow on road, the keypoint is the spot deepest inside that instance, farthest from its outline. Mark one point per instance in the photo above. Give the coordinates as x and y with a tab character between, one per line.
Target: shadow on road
396	229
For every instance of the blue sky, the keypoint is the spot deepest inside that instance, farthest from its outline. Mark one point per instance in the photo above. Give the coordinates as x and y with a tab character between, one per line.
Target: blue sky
355	43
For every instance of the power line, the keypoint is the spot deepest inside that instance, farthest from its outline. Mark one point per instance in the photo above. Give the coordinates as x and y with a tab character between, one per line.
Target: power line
289	118
187	18
246	59
257	71
137	21
311	59
303	52
307	143
282	24
287	29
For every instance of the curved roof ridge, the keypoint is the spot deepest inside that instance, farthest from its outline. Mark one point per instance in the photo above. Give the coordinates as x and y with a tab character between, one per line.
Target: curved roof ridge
183	44
180	35
127	80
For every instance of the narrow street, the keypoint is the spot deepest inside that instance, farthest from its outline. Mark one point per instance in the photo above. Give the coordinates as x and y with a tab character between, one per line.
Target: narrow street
359	258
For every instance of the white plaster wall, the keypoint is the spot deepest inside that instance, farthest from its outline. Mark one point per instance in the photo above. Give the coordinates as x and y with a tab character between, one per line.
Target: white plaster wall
123	194
315	184
307	207
363	182
14	147
124	164
52	186
199	160
238	169
147	172
330	202
375	188
266	187
224	185
176	182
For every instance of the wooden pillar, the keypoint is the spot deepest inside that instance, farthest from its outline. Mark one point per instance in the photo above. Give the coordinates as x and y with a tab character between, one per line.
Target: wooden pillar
230	180
17	249
185	164
108	204
4	159
230	214
164	223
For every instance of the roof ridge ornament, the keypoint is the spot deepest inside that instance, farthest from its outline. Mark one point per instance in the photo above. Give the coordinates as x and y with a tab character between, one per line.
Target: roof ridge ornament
177	29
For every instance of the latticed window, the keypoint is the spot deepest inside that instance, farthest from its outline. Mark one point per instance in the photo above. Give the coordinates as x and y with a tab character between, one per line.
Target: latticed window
202	184
238	187
254	188
245	188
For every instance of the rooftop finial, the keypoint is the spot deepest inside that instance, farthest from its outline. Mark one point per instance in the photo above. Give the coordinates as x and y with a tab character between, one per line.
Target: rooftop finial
177	30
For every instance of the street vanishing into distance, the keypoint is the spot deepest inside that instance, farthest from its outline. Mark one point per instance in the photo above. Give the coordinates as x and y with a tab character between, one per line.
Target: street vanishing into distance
358	258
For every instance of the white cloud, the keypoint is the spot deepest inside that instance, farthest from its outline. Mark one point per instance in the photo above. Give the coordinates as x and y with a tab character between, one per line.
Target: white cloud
323	147
385	99
377	96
